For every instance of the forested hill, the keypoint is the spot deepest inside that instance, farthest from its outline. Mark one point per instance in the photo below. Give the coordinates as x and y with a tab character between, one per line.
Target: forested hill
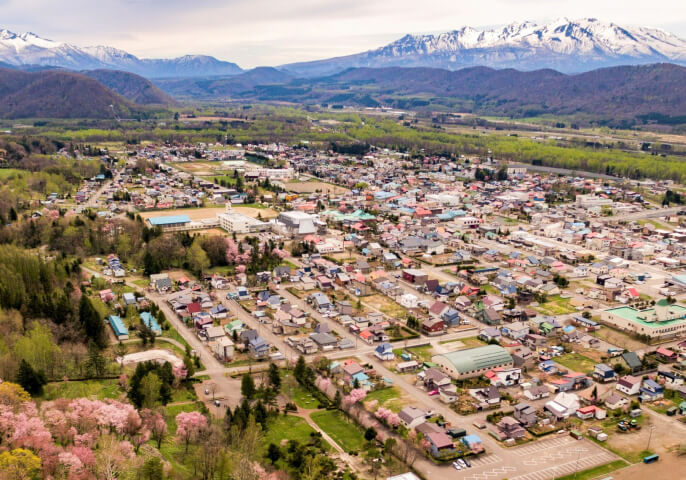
57	94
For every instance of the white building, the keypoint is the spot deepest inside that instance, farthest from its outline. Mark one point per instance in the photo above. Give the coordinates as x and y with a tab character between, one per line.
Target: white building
235	222
590	201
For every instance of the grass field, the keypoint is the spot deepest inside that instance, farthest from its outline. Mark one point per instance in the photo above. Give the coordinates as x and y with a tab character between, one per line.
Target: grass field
341	429
469	342
390	398
285	427
576	362
386	305
99	389
595	471
556	305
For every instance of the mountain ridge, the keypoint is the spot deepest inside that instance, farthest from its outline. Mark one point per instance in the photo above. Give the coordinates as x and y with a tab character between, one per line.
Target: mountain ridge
30	49
569	46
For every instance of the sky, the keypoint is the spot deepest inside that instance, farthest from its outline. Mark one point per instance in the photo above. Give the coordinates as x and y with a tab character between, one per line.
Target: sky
275	32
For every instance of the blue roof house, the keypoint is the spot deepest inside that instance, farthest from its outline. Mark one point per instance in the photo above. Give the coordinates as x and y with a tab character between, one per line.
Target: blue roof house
384	352
118	327
150	322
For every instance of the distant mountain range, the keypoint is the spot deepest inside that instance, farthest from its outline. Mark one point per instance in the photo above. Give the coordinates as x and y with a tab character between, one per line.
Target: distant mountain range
28	49
614	94
569	46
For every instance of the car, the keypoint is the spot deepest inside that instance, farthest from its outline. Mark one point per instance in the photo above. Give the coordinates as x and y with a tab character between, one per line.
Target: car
466	462
207	391
217	403
457	466
433	392
461	462
561	432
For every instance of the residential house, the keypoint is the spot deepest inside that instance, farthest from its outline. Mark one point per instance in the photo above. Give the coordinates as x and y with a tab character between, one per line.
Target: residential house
525	414
223	349
651	391
384	352
508	427
615	401
411	417
629	385
489	333
433	326
440	444
604	373
563	406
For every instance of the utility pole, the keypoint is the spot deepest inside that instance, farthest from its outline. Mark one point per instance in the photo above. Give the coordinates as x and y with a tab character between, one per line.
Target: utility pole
650	437
576	466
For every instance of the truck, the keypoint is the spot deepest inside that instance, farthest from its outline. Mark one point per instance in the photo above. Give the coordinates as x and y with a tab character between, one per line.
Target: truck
576	434
614	352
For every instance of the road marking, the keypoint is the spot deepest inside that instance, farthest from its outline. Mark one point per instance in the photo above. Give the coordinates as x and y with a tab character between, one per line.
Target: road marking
567	468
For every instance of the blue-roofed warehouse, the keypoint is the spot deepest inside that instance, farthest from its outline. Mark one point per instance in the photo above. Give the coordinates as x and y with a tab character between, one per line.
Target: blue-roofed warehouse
118	327
151	323
169	221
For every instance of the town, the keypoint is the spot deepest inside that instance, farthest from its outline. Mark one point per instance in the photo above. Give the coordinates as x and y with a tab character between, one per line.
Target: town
474	318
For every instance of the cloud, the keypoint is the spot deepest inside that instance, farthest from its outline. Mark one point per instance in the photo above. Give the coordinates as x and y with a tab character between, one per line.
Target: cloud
273	32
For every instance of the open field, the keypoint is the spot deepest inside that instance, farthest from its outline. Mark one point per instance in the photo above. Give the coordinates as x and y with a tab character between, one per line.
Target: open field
312	187
556	305
197	214
386	305
286	427
100	389
615	337
576	362
341	429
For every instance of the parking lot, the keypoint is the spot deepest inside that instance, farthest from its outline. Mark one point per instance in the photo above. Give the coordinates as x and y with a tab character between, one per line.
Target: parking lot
541	460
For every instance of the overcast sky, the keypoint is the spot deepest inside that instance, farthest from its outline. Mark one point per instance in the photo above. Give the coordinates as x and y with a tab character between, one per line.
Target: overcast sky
274	32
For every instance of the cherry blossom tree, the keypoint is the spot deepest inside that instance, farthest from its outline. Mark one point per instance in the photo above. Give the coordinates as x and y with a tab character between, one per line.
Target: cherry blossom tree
189	425
155	424
355	396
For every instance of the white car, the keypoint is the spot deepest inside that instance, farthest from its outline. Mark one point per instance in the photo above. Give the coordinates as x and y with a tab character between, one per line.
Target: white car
457	466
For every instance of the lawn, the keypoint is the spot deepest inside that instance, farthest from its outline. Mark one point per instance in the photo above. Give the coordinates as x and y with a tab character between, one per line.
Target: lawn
469	342
99	389
595	471
386	305
423	353
287	427
388	398
174	334
556	305
341	429
576	362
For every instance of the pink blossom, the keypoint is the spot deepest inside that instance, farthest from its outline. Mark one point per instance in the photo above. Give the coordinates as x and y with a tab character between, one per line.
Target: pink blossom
355	396
189	425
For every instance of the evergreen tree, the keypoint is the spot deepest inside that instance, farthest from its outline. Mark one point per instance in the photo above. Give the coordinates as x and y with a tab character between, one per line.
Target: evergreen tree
274	377
30	380
248	386
93	326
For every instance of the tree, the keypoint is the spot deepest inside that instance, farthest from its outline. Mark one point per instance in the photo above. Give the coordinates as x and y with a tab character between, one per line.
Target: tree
96	361
502	174
370	434
274	376
299	372
13	395
197	258
153	469
30	380
189	425
19	464
93	326
248	389
337	399
273	453
150	389
155	423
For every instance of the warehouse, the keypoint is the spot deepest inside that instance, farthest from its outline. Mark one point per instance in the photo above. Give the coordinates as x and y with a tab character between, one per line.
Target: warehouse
473	362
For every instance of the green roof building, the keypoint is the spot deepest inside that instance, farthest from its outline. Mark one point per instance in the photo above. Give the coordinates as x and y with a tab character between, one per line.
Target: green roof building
473	362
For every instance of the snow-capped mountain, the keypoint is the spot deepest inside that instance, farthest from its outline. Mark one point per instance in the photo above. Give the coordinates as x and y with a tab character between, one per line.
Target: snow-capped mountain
30	49
565	45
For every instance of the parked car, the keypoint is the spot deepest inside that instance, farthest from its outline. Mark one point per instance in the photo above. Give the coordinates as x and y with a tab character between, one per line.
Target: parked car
457	466
433	392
